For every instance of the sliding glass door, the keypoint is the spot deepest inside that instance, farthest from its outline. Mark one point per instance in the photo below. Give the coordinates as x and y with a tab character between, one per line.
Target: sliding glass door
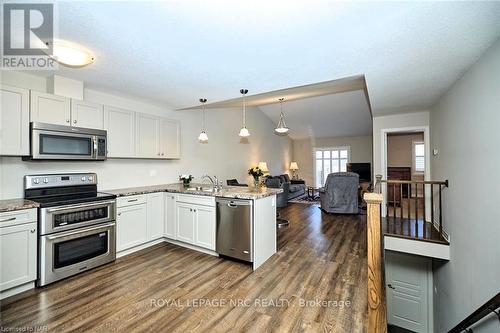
329	160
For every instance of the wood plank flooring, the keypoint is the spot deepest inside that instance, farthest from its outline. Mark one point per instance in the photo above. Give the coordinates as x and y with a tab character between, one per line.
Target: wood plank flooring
321	257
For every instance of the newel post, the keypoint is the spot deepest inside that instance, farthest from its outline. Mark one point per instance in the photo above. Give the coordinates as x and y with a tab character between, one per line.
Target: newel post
377	320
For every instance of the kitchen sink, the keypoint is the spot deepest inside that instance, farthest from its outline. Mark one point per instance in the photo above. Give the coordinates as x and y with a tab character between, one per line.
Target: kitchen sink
202	189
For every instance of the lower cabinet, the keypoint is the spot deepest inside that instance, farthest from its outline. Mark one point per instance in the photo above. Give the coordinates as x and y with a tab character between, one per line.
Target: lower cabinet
131	226
18	249
196	224
170	223
155	215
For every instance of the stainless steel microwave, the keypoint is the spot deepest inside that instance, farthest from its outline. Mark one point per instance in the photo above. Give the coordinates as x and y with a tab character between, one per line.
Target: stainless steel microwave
56	142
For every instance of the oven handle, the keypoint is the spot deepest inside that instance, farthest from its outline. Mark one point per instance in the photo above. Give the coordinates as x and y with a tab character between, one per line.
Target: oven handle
79	231
86	205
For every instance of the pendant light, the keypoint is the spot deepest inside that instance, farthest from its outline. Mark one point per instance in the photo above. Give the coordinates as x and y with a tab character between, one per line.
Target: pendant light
244	131
281	128
203	137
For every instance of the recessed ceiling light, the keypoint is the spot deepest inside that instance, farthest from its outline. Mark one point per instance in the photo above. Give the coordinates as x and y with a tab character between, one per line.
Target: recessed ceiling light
71	54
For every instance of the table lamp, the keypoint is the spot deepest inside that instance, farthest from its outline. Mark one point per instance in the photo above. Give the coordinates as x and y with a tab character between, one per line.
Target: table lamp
294	167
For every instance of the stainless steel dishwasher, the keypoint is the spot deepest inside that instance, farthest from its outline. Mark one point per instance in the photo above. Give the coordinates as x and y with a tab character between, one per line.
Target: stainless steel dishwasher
235	228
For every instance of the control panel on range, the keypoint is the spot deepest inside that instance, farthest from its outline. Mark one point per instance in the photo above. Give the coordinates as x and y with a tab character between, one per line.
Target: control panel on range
56	180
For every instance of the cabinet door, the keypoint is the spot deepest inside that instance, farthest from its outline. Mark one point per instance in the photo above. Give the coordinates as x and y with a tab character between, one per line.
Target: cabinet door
170	227
185	222
87	114
155	215
120	125
17	255
170	139
204	234
147	135
131	226
14	121
408	291
48	108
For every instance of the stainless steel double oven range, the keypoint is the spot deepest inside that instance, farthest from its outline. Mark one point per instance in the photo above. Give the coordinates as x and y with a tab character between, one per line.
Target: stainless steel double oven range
77	229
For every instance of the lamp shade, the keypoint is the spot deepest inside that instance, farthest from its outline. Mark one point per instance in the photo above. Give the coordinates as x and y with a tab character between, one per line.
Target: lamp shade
294	166
263	167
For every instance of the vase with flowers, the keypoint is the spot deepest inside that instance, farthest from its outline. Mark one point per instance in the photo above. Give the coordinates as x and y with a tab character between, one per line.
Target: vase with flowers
186	179
256	173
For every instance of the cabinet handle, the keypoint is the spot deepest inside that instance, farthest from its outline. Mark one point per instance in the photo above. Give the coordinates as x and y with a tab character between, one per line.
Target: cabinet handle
119	214
390	286
162	154
9	219
33	231
132	200
74	121
67	120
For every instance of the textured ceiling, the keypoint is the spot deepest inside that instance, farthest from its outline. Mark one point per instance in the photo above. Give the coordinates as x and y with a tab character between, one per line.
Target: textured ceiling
341	114
175	52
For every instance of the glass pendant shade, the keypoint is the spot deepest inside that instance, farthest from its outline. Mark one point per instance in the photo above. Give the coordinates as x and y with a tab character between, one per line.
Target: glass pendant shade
244	131
203	137
281	127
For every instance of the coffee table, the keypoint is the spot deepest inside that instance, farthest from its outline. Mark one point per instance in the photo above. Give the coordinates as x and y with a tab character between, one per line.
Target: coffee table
312	193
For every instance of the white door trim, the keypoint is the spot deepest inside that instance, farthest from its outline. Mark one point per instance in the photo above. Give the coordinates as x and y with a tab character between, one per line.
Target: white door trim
383	161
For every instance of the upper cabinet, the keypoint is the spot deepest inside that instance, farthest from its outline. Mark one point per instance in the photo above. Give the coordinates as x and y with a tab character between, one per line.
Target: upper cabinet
148	136
87	114
48	108
14	121
170	139
120	125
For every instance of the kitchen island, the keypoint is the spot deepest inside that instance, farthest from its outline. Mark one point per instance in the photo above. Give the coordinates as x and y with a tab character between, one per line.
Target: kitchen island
187	216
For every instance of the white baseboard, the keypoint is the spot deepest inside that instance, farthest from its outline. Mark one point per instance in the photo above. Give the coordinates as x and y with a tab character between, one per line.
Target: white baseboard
17	290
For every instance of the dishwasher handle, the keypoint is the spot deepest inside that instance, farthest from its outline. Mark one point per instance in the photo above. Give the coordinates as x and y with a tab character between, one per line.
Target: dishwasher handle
233	203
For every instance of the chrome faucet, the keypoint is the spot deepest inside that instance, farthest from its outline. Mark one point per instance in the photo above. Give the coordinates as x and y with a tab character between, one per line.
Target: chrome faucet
216	185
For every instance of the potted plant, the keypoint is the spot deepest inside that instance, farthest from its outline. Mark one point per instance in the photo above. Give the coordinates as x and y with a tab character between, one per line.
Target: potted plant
186	179
256	173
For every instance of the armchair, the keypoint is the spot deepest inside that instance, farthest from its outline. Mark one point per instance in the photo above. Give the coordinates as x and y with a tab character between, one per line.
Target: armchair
340	194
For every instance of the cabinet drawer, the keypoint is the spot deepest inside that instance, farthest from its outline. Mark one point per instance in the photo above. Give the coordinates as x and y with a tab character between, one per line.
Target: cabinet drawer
16	217
196	199
131	200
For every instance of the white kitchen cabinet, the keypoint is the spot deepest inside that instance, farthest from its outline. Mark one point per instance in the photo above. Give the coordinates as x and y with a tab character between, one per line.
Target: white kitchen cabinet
409	291
14	121
48	108
131	226
185	222
170	228
18	250
87	114
155	216
120	125
204	227
170	139
148	137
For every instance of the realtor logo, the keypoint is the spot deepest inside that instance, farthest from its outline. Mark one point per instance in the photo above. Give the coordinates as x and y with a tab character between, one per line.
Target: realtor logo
28	34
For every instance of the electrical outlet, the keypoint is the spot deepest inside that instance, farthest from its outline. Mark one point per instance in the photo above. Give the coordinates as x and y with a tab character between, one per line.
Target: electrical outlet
152	173
435	151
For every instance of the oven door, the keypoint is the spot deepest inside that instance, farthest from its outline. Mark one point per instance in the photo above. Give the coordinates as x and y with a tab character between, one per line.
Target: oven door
67	253
62	218
47	144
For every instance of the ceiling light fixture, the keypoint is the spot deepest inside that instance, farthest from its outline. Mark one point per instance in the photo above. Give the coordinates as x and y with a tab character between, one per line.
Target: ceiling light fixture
203	137
71	54
244	131
281	128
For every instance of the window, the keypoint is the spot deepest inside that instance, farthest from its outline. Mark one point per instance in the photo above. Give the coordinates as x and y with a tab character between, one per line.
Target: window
418	157
329	160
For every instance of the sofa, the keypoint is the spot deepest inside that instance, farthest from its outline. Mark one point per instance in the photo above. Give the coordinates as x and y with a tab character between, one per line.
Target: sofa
292	189
340	194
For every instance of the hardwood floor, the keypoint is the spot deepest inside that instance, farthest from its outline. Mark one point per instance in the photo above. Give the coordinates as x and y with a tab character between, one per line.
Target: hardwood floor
321	257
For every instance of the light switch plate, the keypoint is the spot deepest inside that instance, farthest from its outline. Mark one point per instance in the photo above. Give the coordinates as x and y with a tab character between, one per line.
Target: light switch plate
435	152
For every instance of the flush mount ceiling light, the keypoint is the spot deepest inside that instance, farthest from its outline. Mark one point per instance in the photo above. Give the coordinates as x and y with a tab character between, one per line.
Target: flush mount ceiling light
244	131
71	54
281	128
203	137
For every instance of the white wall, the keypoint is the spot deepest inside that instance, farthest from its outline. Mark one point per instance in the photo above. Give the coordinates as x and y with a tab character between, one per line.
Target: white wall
464	127
361	151
223	156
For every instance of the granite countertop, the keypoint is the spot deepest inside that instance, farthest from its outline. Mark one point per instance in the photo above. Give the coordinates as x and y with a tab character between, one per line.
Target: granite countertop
16	204
234	192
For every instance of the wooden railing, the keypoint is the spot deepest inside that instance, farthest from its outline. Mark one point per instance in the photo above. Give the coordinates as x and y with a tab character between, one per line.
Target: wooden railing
377	319
407	199
487	308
